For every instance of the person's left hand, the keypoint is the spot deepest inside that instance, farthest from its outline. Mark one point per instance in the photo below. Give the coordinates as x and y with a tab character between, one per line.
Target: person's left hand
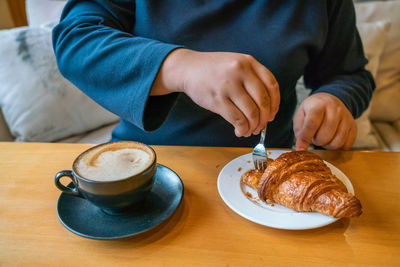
325	121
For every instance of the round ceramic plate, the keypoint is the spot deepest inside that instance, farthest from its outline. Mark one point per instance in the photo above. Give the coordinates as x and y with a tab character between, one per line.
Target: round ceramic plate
245	202
83	218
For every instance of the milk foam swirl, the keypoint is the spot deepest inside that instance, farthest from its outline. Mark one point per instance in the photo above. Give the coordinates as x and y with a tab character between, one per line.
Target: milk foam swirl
111	163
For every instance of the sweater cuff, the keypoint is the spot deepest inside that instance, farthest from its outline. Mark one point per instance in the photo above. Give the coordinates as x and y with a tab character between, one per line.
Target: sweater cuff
153	110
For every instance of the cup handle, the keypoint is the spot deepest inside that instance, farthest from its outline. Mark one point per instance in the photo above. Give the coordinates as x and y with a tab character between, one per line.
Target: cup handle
63	188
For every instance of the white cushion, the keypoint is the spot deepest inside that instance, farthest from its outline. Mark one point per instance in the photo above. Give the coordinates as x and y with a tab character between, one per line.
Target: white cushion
38	104
389	134
373	36
388	75
385	104
40	12
97	136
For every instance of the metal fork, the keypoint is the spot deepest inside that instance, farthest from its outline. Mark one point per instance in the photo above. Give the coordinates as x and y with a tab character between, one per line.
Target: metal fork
260	153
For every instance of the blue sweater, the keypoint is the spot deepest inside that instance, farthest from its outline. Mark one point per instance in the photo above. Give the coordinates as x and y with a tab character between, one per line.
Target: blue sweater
112	51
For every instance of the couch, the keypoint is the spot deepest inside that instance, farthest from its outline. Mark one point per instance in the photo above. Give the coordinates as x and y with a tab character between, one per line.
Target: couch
39	105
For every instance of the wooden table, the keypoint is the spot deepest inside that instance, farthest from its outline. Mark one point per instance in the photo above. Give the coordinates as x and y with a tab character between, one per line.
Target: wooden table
204	230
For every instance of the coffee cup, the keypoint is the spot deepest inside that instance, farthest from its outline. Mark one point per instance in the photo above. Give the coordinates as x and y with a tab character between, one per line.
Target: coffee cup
114	176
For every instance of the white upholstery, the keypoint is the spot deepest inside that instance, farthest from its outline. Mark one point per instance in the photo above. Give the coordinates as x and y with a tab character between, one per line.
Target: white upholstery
389	134
40	12
373	35
39	104
98	136
385	104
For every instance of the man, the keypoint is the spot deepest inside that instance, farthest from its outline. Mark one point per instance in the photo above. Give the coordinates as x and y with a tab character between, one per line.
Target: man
216	72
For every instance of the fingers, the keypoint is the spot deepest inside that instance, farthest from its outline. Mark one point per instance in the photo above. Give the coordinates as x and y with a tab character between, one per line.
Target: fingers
310	125
231	113
298	121
272	86
340	137
257	91
327	130
233	85
325	121
344	136
250	110
259	102
351	137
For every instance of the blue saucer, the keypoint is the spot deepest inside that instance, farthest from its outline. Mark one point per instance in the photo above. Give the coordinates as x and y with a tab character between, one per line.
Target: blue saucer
83	218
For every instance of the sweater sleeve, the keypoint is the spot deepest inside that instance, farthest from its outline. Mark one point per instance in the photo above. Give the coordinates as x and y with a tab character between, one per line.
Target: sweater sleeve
339	68
96	50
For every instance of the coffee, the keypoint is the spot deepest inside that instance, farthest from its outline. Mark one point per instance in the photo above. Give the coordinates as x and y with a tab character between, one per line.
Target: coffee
114	161
116	177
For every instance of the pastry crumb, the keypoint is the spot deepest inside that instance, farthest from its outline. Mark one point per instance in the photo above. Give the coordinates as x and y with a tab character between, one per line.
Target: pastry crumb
249	195
240	169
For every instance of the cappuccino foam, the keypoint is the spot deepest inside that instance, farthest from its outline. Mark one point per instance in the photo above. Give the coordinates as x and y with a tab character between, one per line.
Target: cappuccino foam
113	162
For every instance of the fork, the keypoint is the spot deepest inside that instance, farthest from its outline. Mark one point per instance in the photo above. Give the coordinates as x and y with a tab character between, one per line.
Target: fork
260	153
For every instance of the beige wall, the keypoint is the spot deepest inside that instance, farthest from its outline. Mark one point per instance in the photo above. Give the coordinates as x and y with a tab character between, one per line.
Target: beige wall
5	16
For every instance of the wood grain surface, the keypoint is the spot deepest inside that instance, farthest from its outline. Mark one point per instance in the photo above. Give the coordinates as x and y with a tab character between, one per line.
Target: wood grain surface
203	231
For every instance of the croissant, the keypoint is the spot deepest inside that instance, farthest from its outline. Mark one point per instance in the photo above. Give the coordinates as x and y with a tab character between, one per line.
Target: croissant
300	180
252	177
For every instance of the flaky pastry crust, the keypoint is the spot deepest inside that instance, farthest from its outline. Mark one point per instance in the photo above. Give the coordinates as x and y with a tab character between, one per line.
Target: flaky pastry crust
300	180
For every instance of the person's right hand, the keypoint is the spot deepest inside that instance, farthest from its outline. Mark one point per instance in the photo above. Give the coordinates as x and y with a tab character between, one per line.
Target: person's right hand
235	86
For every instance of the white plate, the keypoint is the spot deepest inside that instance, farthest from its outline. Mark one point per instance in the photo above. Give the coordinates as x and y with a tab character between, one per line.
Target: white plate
245	202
